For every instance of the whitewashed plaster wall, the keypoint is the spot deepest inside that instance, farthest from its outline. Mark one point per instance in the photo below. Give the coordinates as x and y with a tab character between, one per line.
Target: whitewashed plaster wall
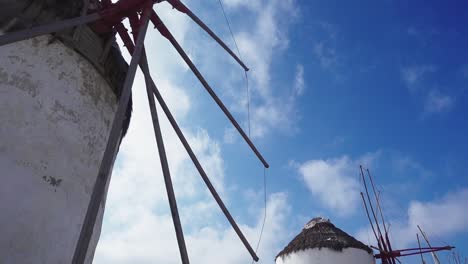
327	256
56	112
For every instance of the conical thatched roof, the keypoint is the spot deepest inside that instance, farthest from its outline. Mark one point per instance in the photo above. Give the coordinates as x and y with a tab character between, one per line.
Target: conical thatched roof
320	233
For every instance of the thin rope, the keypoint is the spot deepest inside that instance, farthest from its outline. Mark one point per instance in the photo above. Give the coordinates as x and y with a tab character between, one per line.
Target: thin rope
229	26
264	212
240	57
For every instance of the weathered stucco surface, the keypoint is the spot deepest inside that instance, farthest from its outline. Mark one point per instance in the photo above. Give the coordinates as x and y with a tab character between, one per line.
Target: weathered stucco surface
56	112
327	256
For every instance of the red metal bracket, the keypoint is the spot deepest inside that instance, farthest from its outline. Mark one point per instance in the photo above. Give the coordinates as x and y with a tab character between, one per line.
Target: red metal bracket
113	14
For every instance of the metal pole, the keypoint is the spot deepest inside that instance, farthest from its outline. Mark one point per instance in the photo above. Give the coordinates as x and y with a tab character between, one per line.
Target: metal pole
145	69
370	221
165	167
427	251
434	255
377	199
47	28
420	250
386	241
193	157
165	32
184	9
373	212
107	160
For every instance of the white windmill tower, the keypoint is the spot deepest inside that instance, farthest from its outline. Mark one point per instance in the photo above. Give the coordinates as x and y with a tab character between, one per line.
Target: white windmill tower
58	97
321	242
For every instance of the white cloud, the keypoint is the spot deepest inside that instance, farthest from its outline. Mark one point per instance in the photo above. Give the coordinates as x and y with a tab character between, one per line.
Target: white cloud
437	102
440	218
210	245
464	71
335	182
259	42
229	135
299	80
150	238
445	216
242	3
276	114
412	75
326	55
138	227
325	50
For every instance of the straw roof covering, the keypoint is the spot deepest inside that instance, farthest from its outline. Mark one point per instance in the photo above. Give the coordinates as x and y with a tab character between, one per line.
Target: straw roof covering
320	233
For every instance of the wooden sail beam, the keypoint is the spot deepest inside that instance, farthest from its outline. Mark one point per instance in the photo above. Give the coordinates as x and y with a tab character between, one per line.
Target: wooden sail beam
135	25
166	172
167	34
411	252
105	20
121	30
385	241
434	255
110	150
48	28
178	5
145	69
203	174
380	249
379	233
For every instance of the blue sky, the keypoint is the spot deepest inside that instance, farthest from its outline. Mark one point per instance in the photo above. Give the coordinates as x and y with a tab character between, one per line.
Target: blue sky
333	85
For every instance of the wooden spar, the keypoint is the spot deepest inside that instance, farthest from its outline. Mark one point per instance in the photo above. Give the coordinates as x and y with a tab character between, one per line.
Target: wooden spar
48	28
377	198
145	69
434	255
165	32
420	250
202	173
385	242
165	169
108	157
134	23
380	237
200	168
371	223
411	252
177	4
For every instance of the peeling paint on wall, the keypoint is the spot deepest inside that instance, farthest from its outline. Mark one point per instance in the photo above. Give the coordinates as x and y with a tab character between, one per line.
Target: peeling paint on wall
56	113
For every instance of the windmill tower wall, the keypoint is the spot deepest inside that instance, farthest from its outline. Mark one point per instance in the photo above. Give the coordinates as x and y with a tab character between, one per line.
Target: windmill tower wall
327	256
56	111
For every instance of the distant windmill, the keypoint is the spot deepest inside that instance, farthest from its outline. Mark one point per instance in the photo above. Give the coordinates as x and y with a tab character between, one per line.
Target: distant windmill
321	242
106	18
387	254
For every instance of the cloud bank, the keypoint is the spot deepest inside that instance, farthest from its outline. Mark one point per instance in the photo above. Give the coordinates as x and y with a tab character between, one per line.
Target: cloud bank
335	182
440	218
